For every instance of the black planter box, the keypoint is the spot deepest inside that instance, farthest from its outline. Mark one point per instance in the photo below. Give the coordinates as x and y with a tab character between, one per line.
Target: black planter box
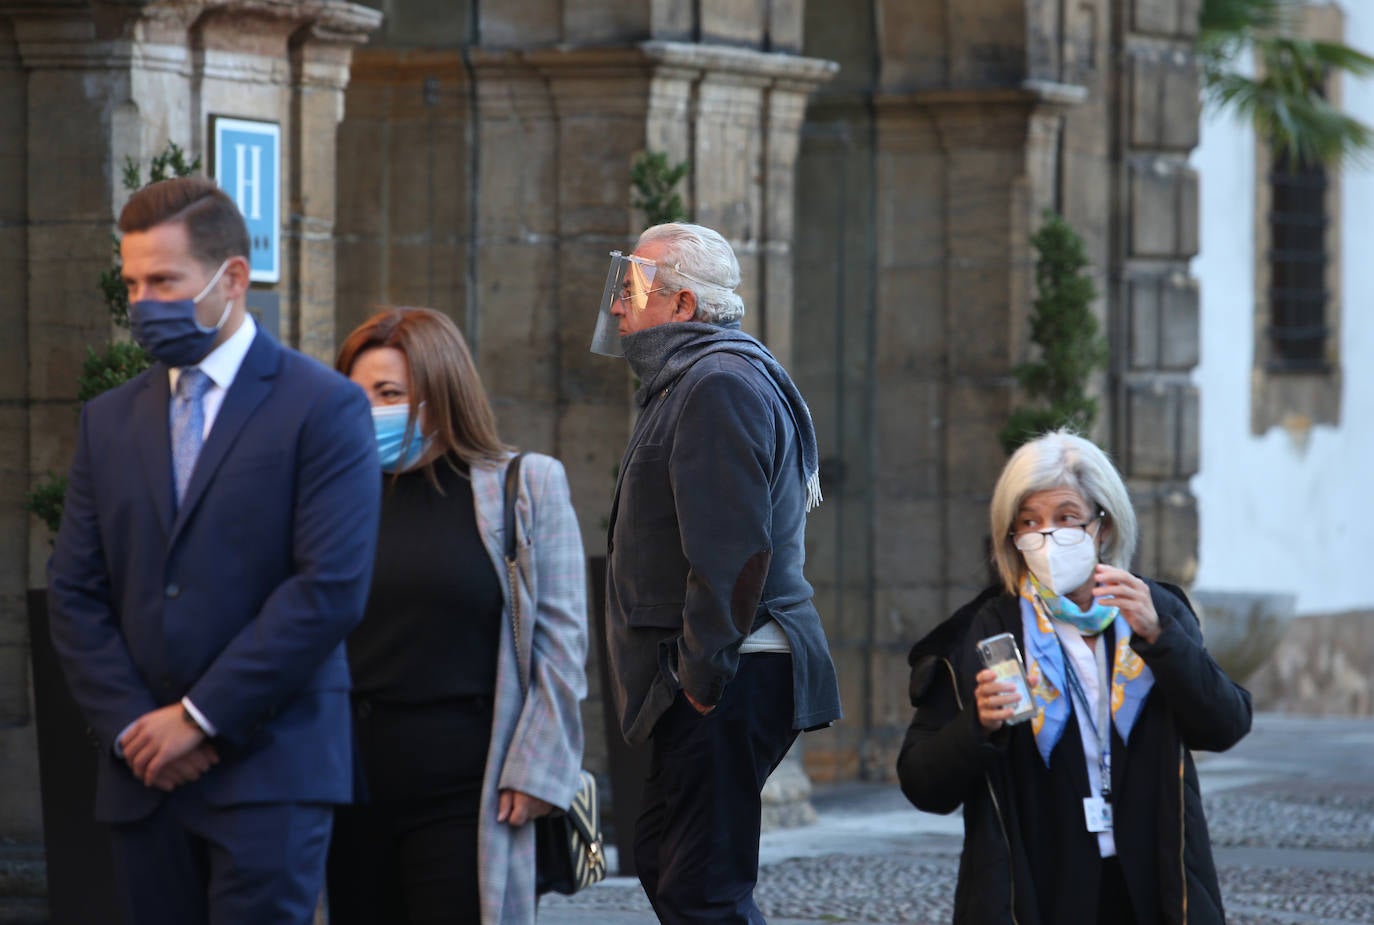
81	886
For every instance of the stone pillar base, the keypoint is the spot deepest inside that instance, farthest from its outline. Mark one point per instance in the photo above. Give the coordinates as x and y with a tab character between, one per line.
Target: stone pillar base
787	796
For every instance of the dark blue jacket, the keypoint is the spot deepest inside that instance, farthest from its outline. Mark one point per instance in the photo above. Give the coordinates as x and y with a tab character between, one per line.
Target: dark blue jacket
707	542
241	597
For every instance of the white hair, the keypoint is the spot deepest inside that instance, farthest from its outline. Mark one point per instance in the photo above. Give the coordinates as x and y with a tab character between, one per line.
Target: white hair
1060	459
698	259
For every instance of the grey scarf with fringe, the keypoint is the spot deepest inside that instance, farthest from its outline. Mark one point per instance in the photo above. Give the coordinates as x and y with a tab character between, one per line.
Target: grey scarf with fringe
661	354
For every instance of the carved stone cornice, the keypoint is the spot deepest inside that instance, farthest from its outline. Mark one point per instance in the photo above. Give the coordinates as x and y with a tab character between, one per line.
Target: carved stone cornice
106	35
648	59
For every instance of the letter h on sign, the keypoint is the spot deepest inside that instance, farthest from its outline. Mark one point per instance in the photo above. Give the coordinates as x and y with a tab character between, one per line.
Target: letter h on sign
245	159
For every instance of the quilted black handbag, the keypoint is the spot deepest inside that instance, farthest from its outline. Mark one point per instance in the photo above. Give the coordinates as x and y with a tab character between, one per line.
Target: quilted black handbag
567	845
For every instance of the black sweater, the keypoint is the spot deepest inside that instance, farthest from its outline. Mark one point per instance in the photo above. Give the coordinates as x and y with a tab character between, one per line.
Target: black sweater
432	626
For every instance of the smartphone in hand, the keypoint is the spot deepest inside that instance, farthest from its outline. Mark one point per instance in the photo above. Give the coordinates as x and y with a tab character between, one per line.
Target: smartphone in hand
1001	654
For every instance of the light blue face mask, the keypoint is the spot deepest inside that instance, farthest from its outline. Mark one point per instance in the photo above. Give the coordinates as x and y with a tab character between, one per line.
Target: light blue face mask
389	423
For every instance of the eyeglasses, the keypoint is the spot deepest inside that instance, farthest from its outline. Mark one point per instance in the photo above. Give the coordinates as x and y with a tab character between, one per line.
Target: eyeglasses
1062	536
626	298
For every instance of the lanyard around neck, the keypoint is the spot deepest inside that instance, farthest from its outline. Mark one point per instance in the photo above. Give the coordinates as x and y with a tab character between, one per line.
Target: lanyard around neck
1099	719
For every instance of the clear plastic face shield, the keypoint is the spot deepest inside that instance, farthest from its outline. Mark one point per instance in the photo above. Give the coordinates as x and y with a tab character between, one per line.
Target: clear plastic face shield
629	282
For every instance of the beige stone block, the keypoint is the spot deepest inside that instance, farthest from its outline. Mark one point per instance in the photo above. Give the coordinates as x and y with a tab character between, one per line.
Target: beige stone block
1143	297
1154	208
1158	17
976	412
590	442
890	708
981	325
1178	537
911	330
846	615
1188	432
908	540
1182	101
1151	426
442	23
987	43
908	434
1171	18
360	271
1145	500
517	342
776	271
980	209
519	175
733	22
362	174
911	229
904	615
593	194
967	543
1179	323
69	176
424	198
912	44
1187	214
786	22
605	23
527	424
21	810
519	23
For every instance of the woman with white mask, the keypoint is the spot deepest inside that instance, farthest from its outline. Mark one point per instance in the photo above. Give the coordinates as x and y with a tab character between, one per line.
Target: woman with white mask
1089	812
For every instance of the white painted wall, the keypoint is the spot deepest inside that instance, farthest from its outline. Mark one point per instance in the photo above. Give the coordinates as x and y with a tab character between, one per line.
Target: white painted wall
1276	514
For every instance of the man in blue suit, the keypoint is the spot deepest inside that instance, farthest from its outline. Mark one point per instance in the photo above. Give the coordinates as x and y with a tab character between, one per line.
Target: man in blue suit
215	550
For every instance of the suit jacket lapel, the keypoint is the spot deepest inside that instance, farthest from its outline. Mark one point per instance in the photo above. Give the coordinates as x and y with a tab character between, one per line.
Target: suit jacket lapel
251	385
152	431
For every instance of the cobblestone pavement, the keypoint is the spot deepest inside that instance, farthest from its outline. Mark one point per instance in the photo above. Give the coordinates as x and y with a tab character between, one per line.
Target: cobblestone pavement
1291	813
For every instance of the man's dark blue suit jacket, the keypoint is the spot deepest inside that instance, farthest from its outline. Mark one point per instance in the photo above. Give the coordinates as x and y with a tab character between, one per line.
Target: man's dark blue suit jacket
241	597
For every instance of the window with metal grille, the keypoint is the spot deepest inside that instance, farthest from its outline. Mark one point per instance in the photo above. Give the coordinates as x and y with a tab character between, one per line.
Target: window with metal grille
1297	265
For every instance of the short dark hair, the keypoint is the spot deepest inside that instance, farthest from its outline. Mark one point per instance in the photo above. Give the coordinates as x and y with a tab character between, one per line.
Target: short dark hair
213	223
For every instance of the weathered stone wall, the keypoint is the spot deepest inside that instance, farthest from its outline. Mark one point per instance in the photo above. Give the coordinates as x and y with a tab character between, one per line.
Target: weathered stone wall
951	128
1323	666
487	175
1154	300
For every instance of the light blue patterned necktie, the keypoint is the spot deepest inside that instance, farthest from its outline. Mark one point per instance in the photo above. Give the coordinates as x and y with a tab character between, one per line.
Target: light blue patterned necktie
188	425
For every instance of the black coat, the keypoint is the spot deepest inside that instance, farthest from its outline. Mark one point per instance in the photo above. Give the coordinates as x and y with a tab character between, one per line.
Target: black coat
1028	857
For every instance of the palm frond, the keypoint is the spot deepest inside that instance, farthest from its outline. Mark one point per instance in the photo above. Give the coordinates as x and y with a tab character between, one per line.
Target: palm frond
1304	125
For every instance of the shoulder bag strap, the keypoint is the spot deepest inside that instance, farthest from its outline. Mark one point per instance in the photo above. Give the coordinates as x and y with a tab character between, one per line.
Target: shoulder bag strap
512	562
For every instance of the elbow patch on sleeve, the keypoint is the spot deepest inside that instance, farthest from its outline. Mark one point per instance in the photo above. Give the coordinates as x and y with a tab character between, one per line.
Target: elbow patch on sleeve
748	590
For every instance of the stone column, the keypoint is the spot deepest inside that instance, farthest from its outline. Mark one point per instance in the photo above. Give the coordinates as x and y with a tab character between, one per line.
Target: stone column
1154	319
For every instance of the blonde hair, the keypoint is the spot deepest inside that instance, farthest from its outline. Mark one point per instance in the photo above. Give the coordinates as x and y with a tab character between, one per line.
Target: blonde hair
1060	459
442	375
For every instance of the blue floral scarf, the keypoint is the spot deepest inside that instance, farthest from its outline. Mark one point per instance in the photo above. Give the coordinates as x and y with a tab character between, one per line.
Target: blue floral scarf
1131	678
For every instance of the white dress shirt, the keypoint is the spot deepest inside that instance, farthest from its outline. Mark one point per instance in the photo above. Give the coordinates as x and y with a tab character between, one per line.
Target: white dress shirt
1085	667
221	365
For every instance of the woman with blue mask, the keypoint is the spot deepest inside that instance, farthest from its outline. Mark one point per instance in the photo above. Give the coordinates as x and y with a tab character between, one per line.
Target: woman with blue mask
466	728
1089	812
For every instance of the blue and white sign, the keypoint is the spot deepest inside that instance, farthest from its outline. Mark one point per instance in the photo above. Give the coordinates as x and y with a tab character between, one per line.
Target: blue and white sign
246	158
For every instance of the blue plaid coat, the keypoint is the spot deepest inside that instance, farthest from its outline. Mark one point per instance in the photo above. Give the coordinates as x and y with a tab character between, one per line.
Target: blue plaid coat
536	740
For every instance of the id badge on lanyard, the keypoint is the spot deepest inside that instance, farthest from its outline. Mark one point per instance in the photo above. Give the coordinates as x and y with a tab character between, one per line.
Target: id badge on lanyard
1097	810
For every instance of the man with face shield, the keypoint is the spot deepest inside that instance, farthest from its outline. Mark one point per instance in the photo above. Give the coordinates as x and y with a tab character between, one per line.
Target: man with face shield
215	550
717	654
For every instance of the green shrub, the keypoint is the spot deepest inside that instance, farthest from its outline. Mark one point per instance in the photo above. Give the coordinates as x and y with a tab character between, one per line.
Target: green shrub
1063	326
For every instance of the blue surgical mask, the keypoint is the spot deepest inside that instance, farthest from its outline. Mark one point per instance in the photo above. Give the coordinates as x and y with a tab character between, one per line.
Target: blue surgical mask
389	423
170	332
